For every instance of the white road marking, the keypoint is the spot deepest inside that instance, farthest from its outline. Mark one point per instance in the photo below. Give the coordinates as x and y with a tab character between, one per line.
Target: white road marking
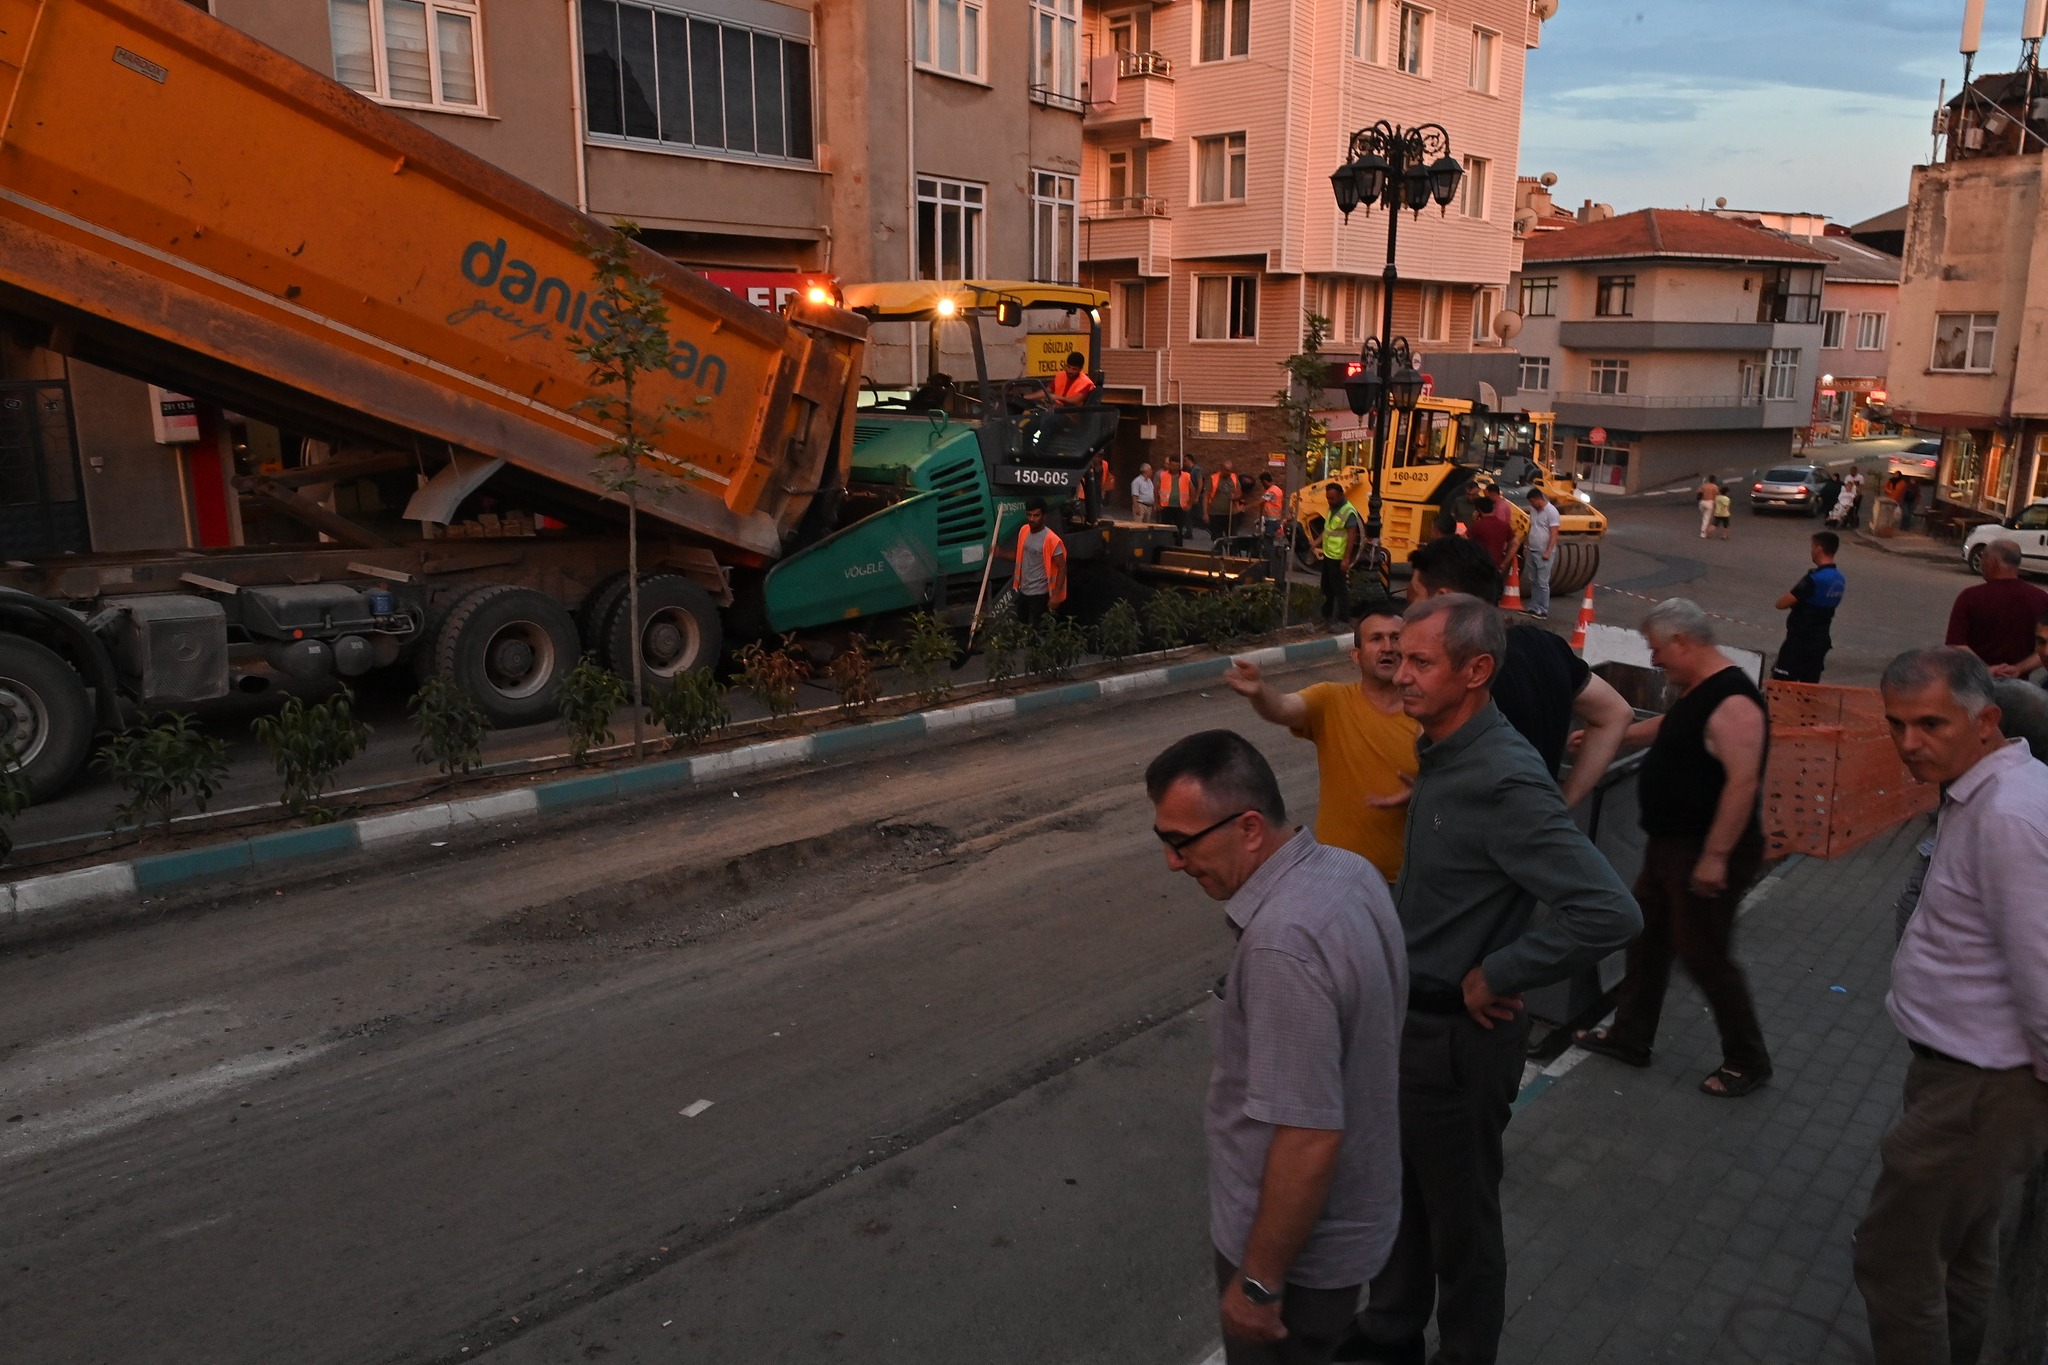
699	1107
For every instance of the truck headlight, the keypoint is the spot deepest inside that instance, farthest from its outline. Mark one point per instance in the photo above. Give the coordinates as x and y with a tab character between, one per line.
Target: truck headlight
1583	496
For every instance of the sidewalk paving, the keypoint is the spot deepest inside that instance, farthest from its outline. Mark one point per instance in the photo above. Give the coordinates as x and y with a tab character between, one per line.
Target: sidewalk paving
1649	1222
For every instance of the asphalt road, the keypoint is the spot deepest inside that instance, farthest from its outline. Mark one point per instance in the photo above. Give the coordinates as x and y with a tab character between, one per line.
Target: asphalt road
946	1009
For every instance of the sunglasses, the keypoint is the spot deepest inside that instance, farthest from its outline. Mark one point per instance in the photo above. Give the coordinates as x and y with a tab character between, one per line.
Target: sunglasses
1180	843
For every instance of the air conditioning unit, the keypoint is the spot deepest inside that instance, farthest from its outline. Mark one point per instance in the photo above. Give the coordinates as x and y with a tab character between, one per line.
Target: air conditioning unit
1149	432
1973	139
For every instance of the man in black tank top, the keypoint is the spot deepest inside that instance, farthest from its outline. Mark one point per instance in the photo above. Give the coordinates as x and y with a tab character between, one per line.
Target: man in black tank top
1698	792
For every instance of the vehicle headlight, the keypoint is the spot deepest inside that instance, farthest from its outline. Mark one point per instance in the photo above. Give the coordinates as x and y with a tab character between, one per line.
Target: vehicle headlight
1583	496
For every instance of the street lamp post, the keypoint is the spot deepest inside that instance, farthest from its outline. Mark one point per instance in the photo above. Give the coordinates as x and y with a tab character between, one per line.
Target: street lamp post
1401	168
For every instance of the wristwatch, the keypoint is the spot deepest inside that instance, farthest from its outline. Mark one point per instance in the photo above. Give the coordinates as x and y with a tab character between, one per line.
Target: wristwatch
1257	1292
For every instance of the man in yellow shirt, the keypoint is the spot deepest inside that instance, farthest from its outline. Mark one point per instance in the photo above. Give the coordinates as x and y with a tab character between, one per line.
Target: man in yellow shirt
1365	743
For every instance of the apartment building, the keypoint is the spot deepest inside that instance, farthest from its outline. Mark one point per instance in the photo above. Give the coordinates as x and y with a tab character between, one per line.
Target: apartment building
1208	218
1967	353
1670	343
765	142
1859	292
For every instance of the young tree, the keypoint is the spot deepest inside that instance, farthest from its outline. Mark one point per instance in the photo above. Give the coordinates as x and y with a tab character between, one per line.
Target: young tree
1306	379
636	343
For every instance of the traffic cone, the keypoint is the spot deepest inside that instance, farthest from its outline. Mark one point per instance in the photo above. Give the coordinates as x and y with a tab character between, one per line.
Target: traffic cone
1512	600
1585	619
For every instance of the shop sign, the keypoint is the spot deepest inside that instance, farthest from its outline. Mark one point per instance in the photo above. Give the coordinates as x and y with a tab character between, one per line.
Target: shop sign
770	289
1598	436
173	417
1045	353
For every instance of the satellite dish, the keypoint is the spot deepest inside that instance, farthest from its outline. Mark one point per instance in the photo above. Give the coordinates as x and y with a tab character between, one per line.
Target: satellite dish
1547	179
1524	220
1507	324
1722	202
1544	9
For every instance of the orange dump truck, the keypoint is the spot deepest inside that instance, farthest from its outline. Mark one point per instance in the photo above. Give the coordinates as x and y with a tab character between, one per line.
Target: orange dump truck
183	204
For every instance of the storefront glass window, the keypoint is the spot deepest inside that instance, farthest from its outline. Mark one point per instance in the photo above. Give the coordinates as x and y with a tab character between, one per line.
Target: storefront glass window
1959	467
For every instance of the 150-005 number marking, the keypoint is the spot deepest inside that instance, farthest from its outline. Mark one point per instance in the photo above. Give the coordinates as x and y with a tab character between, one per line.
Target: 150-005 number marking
1058	478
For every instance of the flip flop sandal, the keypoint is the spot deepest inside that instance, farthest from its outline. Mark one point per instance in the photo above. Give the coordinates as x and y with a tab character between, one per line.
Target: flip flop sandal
1734	1084
1597	1040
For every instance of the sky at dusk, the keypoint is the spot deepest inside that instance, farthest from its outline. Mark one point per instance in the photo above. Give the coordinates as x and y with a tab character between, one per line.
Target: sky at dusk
1794	105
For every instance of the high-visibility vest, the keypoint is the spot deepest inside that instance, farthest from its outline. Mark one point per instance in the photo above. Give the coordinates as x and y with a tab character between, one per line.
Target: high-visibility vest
1272	500
1079	386
1055	551
1176	488
1216	482
1333	530
1108	482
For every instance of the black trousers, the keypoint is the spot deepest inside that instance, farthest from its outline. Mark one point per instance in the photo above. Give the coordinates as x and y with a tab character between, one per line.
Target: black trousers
1458	1085
1336	591
1700	932
1801	661
1177	518
1032	607
1316	1320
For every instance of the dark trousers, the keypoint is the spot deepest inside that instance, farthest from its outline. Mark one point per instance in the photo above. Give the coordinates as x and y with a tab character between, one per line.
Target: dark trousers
1927	1249
1316	1320
1220	527
1458	1083
1177	518
1700	932
1801	661
1032	607
1336	591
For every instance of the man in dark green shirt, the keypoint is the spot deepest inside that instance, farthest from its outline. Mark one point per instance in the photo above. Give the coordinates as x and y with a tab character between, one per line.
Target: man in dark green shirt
1488	839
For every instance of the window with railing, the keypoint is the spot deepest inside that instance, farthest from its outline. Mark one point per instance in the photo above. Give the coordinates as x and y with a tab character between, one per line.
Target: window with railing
1124	174
1133	64
1055	38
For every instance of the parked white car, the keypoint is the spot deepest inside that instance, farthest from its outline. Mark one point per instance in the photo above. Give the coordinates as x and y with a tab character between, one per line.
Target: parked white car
2029	528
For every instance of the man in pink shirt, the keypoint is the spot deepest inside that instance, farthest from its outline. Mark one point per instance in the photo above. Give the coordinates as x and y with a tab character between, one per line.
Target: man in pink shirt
1970	993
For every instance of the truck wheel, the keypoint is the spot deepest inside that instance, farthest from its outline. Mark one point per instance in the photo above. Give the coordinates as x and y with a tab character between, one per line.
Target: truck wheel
1576	561
596	612
44	713
508	649
679	630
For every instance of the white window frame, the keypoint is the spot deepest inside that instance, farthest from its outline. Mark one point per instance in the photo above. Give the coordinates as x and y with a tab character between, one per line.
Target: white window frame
1485	307
1484	76
380	58
1128	310
970	206
1599	373
1055	214
1056	51
1834	329
1368	31
1534	373
1477	184
1979	336
1137	23
1365	308
1781	380
1236	27
927	17
1870	329
1234	149
1419	62
1433	313
1236	286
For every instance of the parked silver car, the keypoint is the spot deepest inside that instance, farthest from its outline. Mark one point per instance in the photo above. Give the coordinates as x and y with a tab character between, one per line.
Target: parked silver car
1789	487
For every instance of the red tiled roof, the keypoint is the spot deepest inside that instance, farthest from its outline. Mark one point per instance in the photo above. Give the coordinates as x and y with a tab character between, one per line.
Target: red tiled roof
1668	232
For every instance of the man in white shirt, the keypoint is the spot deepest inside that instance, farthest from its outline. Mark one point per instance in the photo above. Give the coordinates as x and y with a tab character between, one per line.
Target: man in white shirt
1544	520
1970	993
1143	493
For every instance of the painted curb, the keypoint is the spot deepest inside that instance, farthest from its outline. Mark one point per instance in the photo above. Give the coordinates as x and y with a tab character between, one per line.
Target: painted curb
25	903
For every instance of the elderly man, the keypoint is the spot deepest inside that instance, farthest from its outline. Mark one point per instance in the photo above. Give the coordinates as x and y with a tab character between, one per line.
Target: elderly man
1365	742
1970	993
1144	493
1488	838
1995	620
1304	1151
1543	689
1698	798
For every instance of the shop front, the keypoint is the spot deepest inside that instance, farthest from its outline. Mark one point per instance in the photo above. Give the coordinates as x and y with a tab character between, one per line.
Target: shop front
1842	407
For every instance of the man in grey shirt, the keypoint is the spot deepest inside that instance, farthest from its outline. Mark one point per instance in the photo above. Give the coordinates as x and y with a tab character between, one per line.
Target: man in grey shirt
1304	1145
1488	838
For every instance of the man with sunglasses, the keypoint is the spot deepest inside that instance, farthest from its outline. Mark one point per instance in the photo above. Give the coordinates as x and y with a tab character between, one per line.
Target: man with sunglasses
1304	1142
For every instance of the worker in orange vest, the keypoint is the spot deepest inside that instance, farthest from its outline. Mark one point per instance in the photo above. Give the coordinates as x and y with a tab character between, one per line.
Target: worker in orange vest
1071	386
1225	496
1176	496
1272	505
1039	577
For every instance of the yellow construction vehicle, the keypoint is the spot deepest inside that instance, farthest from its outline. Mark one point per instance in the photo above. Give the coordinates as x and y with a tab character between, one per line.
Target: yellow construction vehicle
1437	454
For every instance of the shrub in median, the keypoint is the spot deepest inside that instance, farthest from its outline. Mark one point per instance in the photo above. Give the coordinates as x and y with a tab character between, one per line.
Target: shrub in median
309	746
161	767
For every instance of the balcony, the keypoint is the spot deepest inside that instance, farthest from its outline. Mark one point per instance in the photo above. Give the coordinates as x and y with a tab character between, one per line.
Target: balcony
1625	334
1143	372
1144	101
1660	411
1132	229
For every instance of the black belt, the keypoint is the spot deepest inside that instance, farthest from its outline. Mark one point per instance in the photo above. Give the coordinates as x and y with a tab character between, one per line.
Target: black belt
1929	1054
1435	1000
